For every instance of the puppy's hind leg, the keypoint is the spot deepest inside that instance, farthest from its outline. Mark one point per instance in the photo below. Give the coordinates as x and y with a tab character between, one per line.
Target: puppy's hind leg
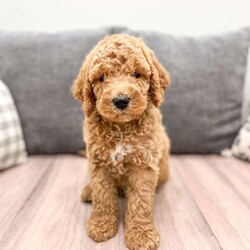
86	195
164	166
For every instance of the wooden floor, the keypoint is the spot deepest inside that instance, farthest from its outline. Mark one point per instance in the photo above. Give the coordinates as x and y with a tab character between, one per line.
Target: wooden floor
205	205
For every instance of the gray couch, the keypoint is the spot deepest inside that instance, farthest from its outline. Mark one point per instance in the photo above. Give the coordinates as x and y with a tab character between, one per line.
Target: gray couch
206	203
202	108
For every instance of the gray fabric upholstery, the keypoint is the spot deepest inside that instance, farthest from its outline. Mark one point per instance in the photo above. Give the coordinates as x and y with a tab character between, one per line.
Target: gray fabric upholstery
246	92
39	69
202	107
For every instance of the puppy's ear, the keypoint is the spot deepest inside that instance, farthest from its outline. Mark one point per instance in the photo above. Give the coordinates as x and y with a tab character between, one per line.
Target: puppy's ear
77	88
159	80
82	90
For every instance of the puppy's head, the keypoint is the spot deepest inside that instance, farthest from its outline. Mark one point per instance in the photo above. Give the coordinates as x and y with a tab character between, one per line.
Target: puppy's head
119	78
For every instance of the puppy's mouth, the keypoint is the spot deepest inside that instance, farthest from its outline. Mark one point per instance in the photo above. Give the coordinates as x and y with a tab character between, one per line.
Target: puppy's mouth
122	107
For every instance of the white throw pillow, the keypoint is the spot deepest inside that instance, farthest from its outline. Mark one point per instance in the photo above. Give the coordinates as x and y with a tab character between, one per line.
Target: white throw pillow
12	145
241	144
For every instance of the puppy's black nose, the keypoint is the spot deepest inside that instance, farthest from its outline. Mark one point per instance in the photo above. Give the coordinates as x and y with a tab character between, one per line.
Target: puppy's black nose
121	102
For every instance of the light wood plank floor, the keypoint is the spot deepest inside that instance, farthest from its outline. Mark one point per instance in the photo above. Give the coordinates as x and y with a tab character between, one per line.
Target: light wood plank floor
205	205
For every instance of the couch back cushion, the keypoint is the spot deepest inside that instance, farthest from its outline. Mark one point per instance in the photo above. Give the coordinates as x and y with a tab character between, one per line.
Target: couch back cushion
202	108
39	69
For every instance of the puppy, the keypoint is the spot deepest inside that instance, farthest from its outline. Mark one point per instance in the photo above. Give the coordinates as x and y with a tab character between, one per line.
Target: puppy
121	86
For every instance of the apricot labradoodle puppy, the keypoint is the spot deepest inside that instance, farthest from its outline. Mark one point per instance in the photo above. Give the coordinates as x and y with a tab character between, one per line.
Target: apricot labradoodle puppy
121	86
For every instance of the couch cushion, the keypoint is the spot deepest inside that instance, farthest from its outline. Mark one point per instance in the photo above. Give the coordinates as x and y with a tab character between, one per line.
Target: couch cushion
246	94
202	108
39	69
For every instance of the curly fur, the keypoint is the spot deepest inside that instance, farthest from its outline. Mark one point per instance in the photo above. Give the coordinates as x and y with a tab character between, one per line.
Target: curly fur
128	148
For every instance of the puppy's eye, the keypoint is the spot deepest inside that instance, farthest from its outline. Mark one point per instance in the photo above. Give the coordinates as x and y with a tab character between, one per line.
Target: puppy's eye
101	79
136	75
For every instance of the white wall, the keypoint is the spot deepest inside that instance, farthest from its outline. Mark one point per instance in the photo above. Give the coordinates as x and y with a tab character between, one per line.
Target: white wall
175	16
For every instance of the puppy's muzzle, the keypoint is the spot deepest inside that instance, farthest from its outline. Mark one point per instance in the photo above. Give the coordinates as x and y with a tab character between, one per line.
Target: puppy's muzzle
121	102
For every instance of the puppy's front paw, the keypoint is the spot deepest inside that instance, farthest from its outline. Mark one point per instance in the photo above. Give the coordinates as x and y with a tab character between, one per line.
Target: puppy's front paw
138	238
102	227
86	195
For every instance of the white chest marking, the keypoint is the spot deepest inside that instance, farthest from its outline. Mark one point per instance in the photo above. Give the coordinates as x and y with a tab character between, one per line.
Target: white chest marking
119	153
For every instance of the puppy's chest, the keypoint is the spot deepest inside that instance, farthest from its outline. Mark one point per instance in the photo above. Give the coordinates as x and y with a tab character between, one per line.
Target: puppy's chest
119	156
118	152
116	156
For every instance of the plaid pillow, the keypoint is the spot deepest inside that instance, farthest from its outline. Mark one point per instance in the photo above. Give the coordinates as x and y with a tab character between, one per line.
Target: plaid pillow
12	146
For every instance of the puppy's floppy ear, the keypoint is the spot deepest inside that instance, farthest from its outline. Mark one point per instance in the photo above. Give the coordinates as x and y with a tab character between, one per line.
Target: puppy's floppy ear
159	79
82	90
77	88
